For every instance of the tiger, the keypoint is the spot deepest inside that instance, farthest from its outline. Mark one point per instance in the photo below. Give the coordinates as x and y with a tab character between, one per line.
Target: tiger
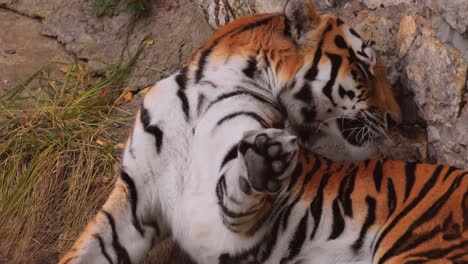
298	69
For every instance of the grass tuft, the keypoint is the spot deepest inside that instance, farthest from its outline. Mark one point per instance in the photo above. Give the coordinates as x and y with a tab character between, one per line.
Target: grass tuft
57	158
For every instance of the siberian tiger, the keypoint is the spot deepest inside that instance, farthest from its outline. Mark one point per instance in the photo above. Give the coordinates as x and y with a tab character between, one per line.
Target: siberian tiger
189	167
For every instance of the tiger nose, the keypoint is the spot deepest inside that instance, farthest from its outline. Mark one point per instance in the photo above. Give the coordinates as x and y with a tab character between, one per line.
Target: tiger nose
392	119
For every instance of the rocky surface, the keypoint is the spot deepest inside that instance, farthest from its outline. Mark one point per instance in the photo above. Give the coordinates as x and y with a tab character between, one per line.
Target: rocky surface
175	29
427	61
21	55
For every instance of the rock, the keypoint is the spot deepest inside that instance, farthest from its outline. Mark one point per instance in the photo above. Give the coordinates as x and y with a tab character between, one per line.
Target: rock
36	8
455	12
10	51
176	34
408	144
461	44
445	32
380	30
24	50
406	35
384	3
437	75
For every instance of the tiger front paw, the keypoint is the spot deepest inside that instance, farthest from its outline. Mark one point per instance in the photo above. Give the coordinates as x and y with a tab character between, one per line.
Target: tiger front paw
270	156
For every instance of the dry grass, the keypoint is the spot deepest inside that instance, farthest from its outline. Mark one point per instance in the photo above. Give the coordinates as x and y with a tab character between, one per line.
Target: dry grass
53	174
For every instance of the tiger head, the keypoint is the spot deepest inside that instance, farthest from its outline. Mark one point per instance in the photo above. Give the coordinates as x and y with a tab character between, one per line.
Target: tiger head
325	78
341	87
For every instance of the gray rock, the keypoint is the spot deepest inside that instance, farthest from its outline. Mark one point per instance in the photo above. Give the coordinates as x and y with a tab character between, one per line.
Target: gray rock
23	50
406	35
384	3
455	12
445	32
176	33
436	74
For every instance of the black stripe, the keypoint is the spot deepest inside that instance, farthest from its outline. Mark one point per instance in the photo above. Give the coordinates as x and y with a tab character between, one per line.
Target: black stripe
345	191
201	102
285	216
220	189
422	194
244	91
366	163
232	214
133	199
338	221
296	243
251	68
313	71
464	207
336	61
340	42
258	253
103	248
354	33
399	247
152	129
317	203
185	103
202	63
419	238
205	54
181	80
339	22
342	92
368	222
305	94
450	170
391	197
252	115
295	176
287	28
440	253
410	170
378	174
361	52
311	172
459	255
230	155
120	251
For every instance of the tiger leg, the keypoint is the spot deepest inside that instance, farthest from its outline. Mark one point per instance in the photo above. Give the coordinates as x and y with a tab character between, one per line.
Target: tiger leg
119	233
265	161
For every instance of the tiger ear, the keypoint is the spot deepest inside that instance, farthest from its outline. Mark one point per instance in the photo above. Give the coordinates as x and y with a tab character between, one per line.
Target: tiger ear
301	16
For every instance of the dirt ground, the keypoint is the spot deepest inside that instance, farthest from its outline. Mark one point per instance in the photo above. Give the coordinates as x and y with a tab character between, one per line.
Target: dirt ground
23	50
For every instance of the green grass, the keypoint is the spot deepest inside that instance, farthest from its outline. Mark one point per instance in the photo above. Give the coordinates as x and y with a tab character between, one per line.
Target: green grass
53	172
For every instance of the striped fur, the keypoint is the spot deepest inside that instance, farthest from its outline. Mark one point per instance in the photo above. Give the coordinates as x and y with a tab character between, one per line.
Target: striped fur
377	211
258	72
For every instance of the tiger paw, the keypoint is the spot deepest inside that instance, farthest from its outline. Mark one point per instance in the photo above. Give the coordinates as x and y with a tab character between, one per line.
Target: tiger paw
270	156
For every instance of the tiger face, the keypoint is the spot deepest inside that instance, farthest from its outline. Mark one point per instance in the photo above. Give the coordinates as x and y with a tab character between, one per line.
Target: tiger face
341	89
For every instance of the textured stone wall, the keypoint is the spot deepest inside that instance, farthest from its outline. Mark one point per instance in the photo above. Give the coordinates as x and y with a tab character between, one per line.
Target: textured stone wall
425	44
